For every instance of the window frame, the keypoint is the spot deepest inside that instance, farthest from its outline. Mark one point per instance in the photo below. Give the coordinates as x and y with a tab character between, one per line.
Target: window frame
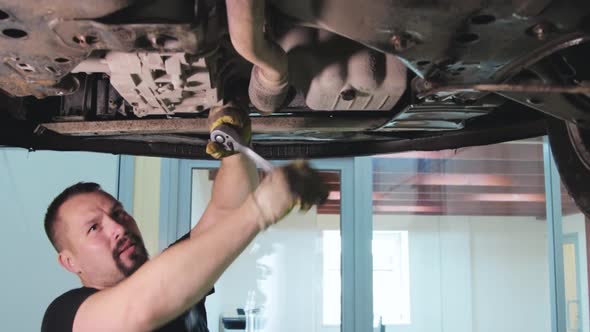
357	228
356	190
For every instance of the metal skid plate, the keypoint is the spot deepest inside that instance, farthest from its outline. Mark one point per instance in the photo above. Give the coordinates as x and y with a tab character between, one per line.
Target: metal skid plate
158	83
454	41
41	41
433	118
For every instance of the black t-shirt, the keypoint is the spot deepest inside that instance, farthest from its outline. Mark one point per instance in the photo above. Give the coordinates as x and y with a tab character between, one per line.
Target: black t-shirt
59	316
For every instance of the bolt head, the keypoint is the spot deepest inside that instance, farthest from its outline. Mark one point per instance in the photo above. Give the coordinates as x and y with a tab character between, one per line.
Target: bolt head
348	94
219	139
401	42
539	31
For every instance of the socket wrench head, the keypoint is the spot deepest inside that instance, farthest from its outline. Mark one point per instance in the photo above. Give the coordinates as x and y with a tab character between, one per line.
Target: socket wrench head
227	137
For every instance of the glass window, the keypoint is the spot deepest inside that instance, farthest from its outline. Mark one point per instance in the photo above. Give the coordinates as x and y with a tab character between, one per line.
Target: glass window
282	271
331	282
391	276
460	240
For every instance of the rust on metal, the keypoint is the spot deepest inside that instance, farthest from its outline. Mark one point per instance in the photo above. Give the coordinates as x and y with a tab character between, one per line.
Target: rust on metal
261	125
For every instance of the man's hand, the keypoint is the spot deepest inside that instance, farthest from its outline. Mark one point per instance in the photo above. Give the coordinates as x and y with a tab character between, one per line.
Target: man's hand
236	118
286	187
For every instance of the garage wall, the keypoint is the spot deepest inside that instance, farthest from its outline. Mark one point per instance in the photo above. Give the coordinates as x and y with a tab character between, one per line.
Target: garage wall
467	274
283	266
31	277
510	275
475	273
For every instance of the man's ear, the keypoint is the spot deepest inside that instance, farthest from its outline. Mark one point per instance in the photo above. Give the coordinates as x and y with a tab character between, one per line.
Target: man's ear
67	260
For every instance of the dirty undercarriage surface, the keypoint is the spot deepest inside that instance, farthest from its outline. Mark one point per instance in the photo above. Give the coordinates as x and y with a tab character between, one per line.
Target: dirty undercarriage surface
321	78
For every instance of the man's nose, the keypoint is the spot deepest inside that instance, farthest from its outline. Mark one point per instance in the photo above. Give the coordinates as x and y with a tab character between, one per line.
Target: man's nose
116	230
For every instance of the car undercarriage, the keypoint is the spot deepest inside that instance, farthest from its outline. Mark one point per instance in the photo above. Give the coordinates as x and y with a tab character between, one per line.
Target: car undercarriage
321	78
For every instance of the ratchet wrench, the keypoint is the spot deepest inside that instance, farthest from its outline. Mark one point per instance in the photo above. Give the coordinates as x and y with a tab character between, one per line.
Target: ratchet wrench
231	141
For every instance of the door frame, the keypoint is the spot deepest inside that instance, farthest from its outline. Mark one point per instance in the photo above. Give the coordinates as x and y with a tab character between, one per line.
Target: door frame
572	238
355	220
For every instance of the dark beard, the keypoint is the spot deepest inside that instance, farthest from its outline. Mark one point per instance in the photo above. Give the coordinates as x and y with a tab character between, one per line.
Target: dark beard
138	257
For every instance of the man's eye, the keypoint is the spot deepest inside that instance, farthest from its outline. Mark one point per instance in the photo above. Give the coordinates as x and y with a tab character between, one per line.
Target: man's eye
92	228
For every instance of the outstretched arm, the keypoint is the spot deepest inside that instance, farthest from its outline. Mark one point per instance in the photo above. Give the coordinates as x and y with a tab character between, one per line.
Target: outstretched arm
237	176
236	179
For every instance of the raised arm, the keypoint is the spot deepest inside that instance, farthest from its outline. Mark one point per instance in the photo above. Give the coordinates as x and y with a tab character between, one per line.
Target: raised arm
237	177
169	284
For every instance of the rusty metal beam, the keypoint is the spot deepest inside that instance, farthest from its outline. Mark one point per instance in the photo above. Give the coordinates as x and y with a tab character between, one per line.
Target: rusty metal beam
260	125
490	131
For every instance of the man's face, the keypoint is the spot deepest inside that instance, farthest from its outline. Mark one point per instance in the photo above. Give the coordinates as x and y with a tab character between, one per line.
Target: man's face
101	242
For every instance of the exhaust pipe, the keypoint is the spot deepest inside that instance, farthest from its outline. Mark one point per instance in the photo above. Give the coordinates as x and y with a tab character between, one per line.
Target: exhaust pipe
269	80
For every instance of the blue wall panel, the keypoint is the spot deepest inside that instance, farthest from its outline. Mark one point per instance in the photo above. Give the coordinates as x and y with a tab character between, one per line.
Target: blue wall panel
31	277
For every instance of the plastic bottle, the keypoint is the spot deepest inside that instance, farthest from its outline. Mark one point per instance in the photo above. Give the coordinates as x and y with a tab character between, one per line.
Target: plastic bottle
252	314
